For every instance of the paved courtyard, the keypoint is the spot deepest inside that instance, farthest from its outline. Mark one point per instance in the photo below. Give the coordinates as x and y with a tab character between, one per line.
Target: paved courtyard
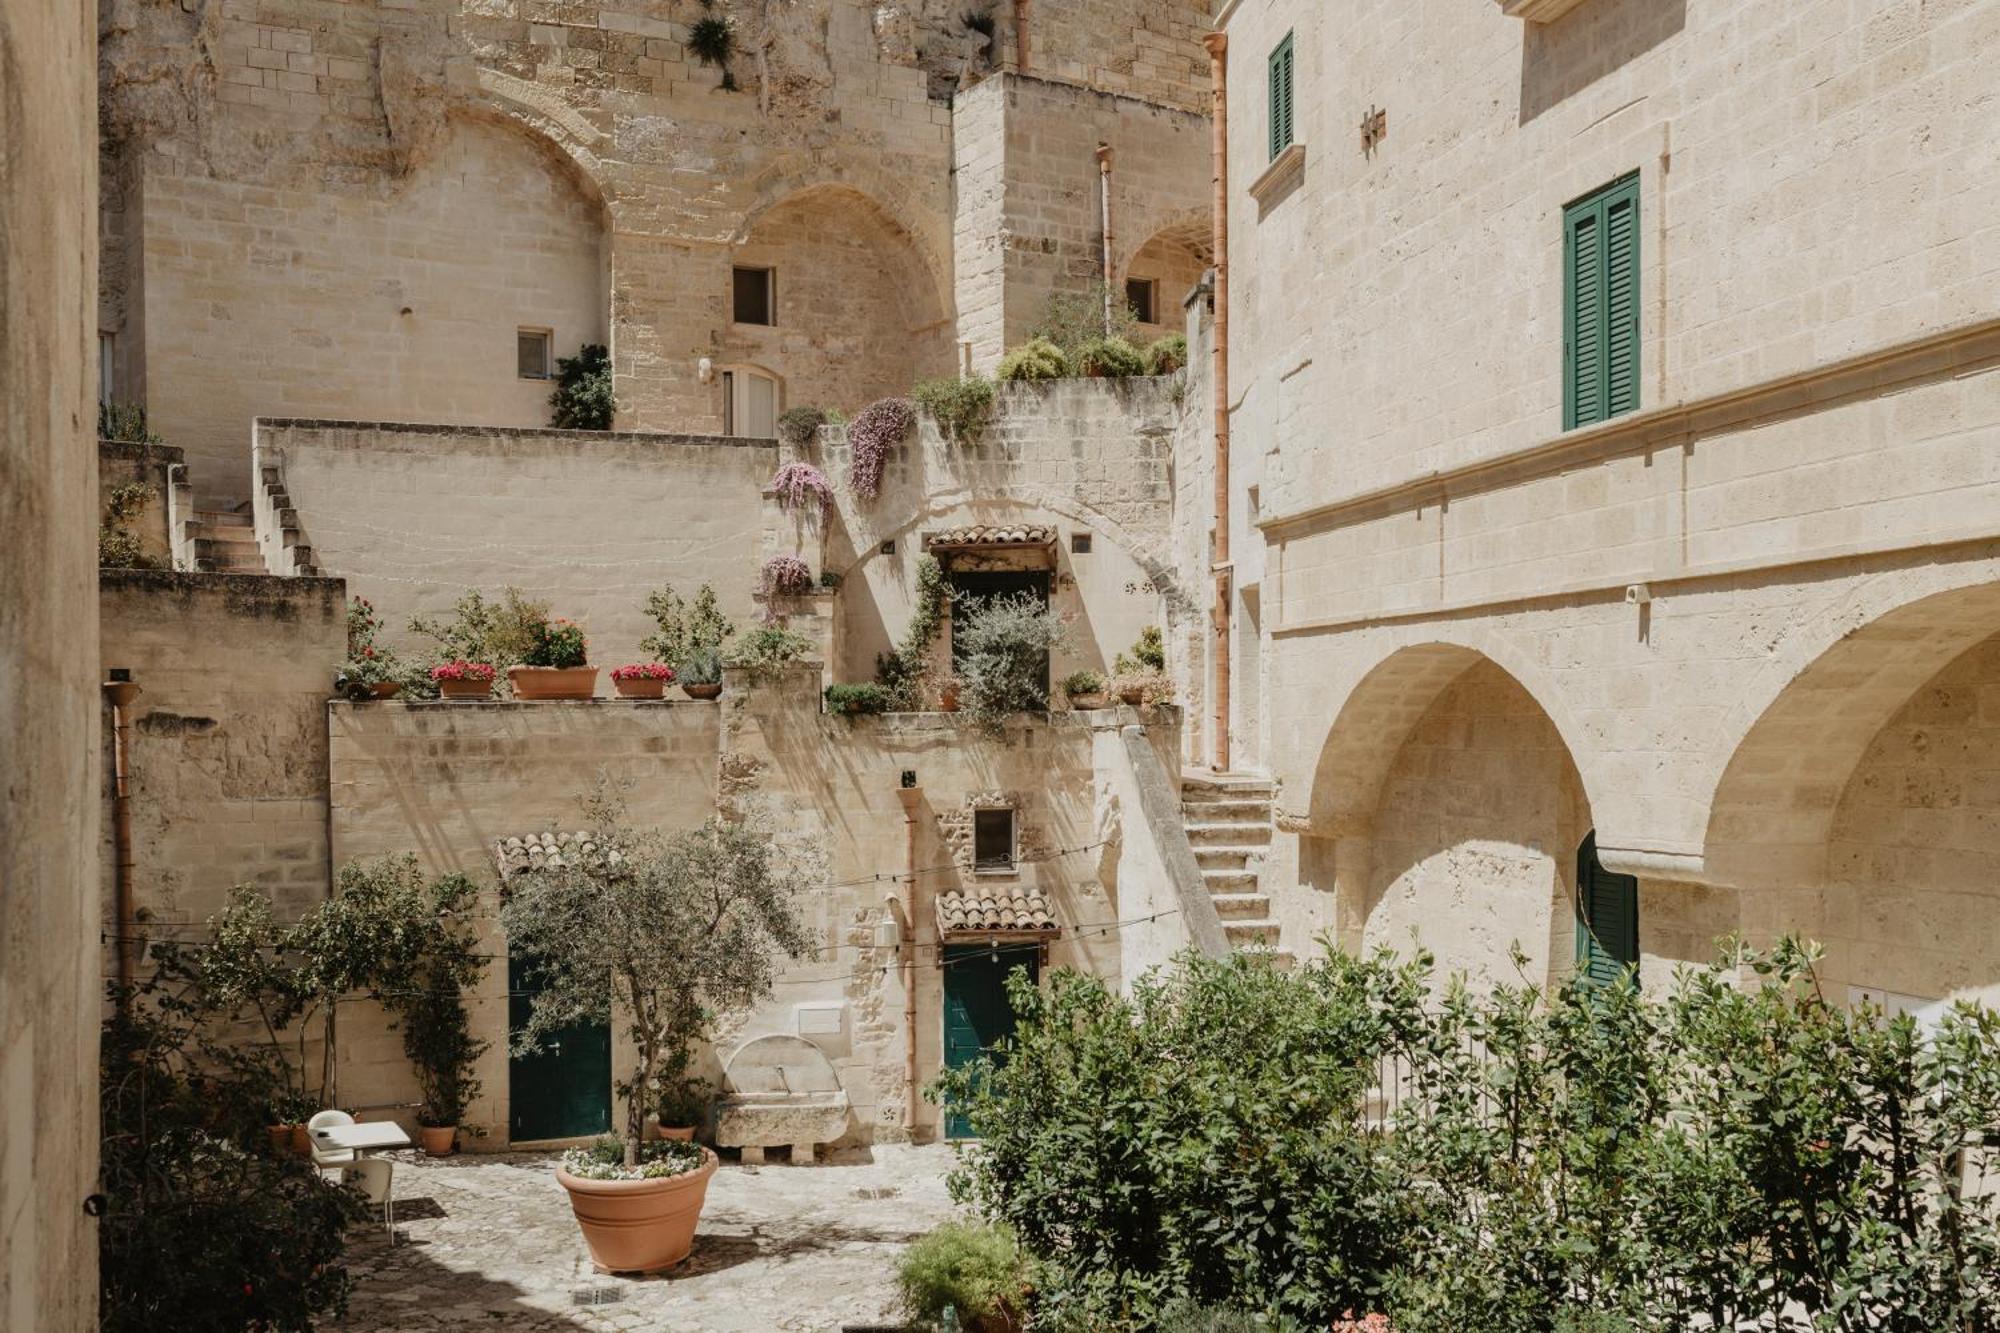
489	1242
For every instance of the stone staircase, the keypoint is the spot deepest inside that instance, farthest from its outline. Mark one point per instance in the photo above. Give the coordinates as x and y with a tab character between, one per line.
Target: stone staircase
225	542
1228	822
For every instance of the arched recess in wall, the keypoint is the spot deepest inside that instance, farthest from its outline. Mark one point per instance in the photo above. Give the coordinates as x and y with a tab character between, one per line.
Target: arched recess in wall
1168	263
830	290
1446	810
1860	808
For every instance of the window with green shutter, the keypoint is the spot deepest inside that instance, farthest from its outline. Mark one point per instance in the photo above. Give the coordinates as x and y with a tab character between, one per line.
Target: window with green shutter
1607	919
1601	304
1281	97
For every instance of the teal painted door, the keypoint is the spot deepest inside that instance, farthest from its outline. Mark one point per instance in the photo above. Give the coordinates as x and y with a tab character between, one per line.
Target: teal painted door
563	1091
976	1013
1607	919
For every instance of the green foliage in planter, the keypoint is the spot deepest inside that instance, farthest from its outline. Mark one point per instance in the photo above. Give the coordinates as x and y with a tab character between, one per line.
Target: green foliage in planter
1149	654
906	672
125	423
688	930
763	651
1168	355
1109	358
683	1098
857	700
368	663
702	667
799	426
1188	1317
1035	359
118	547
959	406
1075	317
975	1271
582	398
830	580
1002	646
499	633
558	643
1083	682
686	629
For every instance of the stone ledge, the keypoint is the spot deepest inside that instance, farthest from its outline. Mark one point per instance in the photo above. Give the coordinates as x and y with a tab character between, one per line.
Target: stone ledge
1537	11
1287	169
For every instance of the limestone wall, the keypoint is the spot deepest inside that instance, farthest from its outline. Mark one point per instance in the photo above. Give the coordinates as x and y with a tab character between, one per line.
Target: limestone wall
412	517
152	466
1149	49
49	978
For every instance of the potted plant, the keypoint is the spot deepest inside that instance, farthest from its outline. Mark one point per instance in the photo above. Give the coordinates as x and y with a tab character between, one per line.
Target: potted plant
687	929
682	1107
290	1109
370	671
642	680
701	675
463	680
948	688
1142	676
1085	689
556	665
786	576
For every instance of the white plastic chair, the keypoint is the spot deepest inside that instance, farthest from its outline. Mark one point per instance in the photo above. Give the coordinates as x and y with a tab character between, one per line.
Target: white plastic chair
328	1157
376	1176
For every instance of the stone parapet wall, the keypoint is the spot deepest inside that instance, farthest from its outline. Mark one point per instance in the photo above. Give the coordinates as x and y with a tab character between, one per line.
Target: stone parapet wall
156	467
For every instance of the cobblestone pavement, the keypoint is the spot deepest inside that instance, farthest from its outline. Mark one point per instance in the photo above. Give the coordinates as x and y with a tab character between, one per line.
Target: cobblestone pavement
489	1242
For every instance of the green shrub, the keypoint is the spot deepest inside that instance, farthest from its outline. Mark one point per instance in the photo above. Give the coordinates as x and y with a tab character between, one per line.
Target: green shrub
558	643
118	547
762	651
906	672
799	426
1149	654
1002	646
684	630
975	1271
1109	358
702	667
1168	355
125	423
1188	1317
498	633
1035	359
1083	682
583	399
1072	318
959	406
856	700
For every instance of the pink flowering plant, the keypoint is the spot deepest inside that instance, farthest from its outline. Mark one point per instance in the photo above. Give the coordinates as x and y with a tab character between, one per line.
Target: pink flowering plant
787	576
802	488
659	671
461	670
880	427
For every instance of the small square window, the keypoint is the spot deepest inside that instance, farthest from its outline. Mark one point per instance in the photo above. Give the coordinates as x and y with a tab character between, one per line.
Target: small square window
1142	294
531	353
993	840
888	547
1079	543
755	295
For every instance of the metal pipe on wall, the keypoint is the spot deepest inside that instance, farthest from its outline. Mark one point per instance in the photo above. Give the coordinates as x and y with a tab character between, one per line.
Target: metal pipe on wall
1021	8
1104	208
1218	75
911	798
120	693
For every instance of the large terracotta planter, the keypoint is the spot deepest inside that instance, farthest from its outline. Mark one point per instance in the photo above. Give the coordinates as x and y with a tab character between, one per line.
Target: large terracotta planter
702	691
385	689
301	1141
553	682
281	1138
639	1226
641	688
465	689
1086	702
437	1139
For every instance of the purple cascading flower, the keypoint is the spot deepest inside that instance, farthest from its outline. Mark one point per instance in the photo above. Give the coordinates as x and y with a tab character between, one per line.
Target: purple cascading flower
880	427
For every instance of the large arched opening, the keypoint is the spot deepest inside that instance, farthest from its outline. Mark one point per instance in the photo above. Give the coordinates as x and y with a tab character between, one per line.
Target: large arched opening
1168	264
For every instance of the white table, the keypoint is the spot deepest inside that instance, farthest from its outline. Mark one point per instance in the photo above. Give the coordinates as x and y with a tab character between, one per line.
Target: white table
363	1138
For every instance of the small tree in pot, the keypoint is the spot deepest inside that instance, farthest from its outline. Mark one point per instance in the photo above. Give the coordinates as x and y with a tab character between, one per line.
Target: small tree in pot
672	933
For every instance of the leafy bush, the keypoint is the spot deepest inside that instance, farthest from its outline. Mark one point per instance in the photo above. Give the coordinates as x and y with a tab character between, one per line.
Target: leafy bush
799	426
1035	359
125	423
1108	358
786	576
659	1159
906	672
1083	682
703	667
118	547
856	700
1188	1317
1168	355
1003	645
1072	318
763	651
712	40
879	427
802	488
499	633
583	399
975	1271
558	643
686	630
1149	653
959	406
368	663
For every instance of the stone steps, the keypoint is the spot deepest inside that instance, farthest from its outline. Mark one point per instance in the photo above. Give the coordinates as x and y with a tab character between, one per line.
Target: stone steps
1228	821
225	542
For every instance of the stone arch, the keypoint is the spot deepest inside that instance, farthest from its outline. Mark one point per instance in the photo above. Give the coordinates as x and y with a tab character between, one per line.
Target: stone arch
542	116
926	233
1174	254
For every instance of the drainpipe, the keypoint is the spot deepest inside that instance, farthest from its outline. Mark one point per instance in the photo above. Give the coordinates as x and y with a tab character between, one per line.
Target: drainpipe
120	692
911	798
1021	8
1104	208
1218	75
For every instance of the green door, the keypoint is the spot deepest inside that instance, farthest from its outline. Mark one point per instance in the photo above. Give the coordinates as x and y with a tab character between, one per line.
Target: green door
1607	919
563	1091
976	1013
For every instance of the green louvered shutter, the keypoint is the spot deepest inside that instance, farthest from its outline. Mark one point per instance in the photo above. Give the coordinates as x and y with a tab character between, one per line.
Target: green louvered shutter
1607	919
1281	97
1601	305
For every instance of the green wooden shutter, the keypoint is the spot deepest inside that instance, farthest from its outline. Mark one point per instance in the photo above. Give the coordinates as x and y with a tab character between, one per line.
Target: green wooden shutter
1601	305
1281	97
1607	919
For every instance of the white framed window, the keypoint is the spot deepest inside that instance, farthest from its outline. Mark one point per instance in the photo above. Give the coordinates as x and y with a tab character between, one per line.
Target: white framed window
754	295
749	404
993	841
531	353
107	364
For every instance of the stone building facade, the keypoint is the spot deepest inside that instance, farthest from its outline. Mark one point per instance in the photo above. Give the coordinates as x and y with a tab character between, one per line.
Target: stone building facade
1740	628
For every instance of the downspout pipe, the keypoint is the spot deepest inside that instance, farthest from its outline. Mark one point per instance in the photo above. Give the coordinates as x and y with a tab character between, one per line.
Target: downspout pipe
912	798
1104	211
120	693
1223	569
1021	10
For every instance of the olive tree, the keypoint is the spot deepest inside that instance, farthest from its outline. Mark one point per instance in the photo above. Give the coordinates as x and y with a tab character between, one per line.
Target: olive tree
671	932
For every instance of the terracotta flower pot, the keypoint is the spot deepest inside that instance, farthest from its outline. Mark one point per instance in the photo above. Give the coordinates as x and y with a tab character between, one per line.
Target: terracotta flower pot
437	1139
386	689
641	688
553	682
466	689
1087	701
948	698
1132	694
281	1138
639	1226
301	1141
702	691
684	1133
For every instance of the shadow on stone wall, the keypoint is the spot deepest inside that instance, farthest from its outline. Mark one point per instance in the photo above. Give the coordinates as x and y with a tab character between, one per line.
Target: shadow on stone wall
1591	41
